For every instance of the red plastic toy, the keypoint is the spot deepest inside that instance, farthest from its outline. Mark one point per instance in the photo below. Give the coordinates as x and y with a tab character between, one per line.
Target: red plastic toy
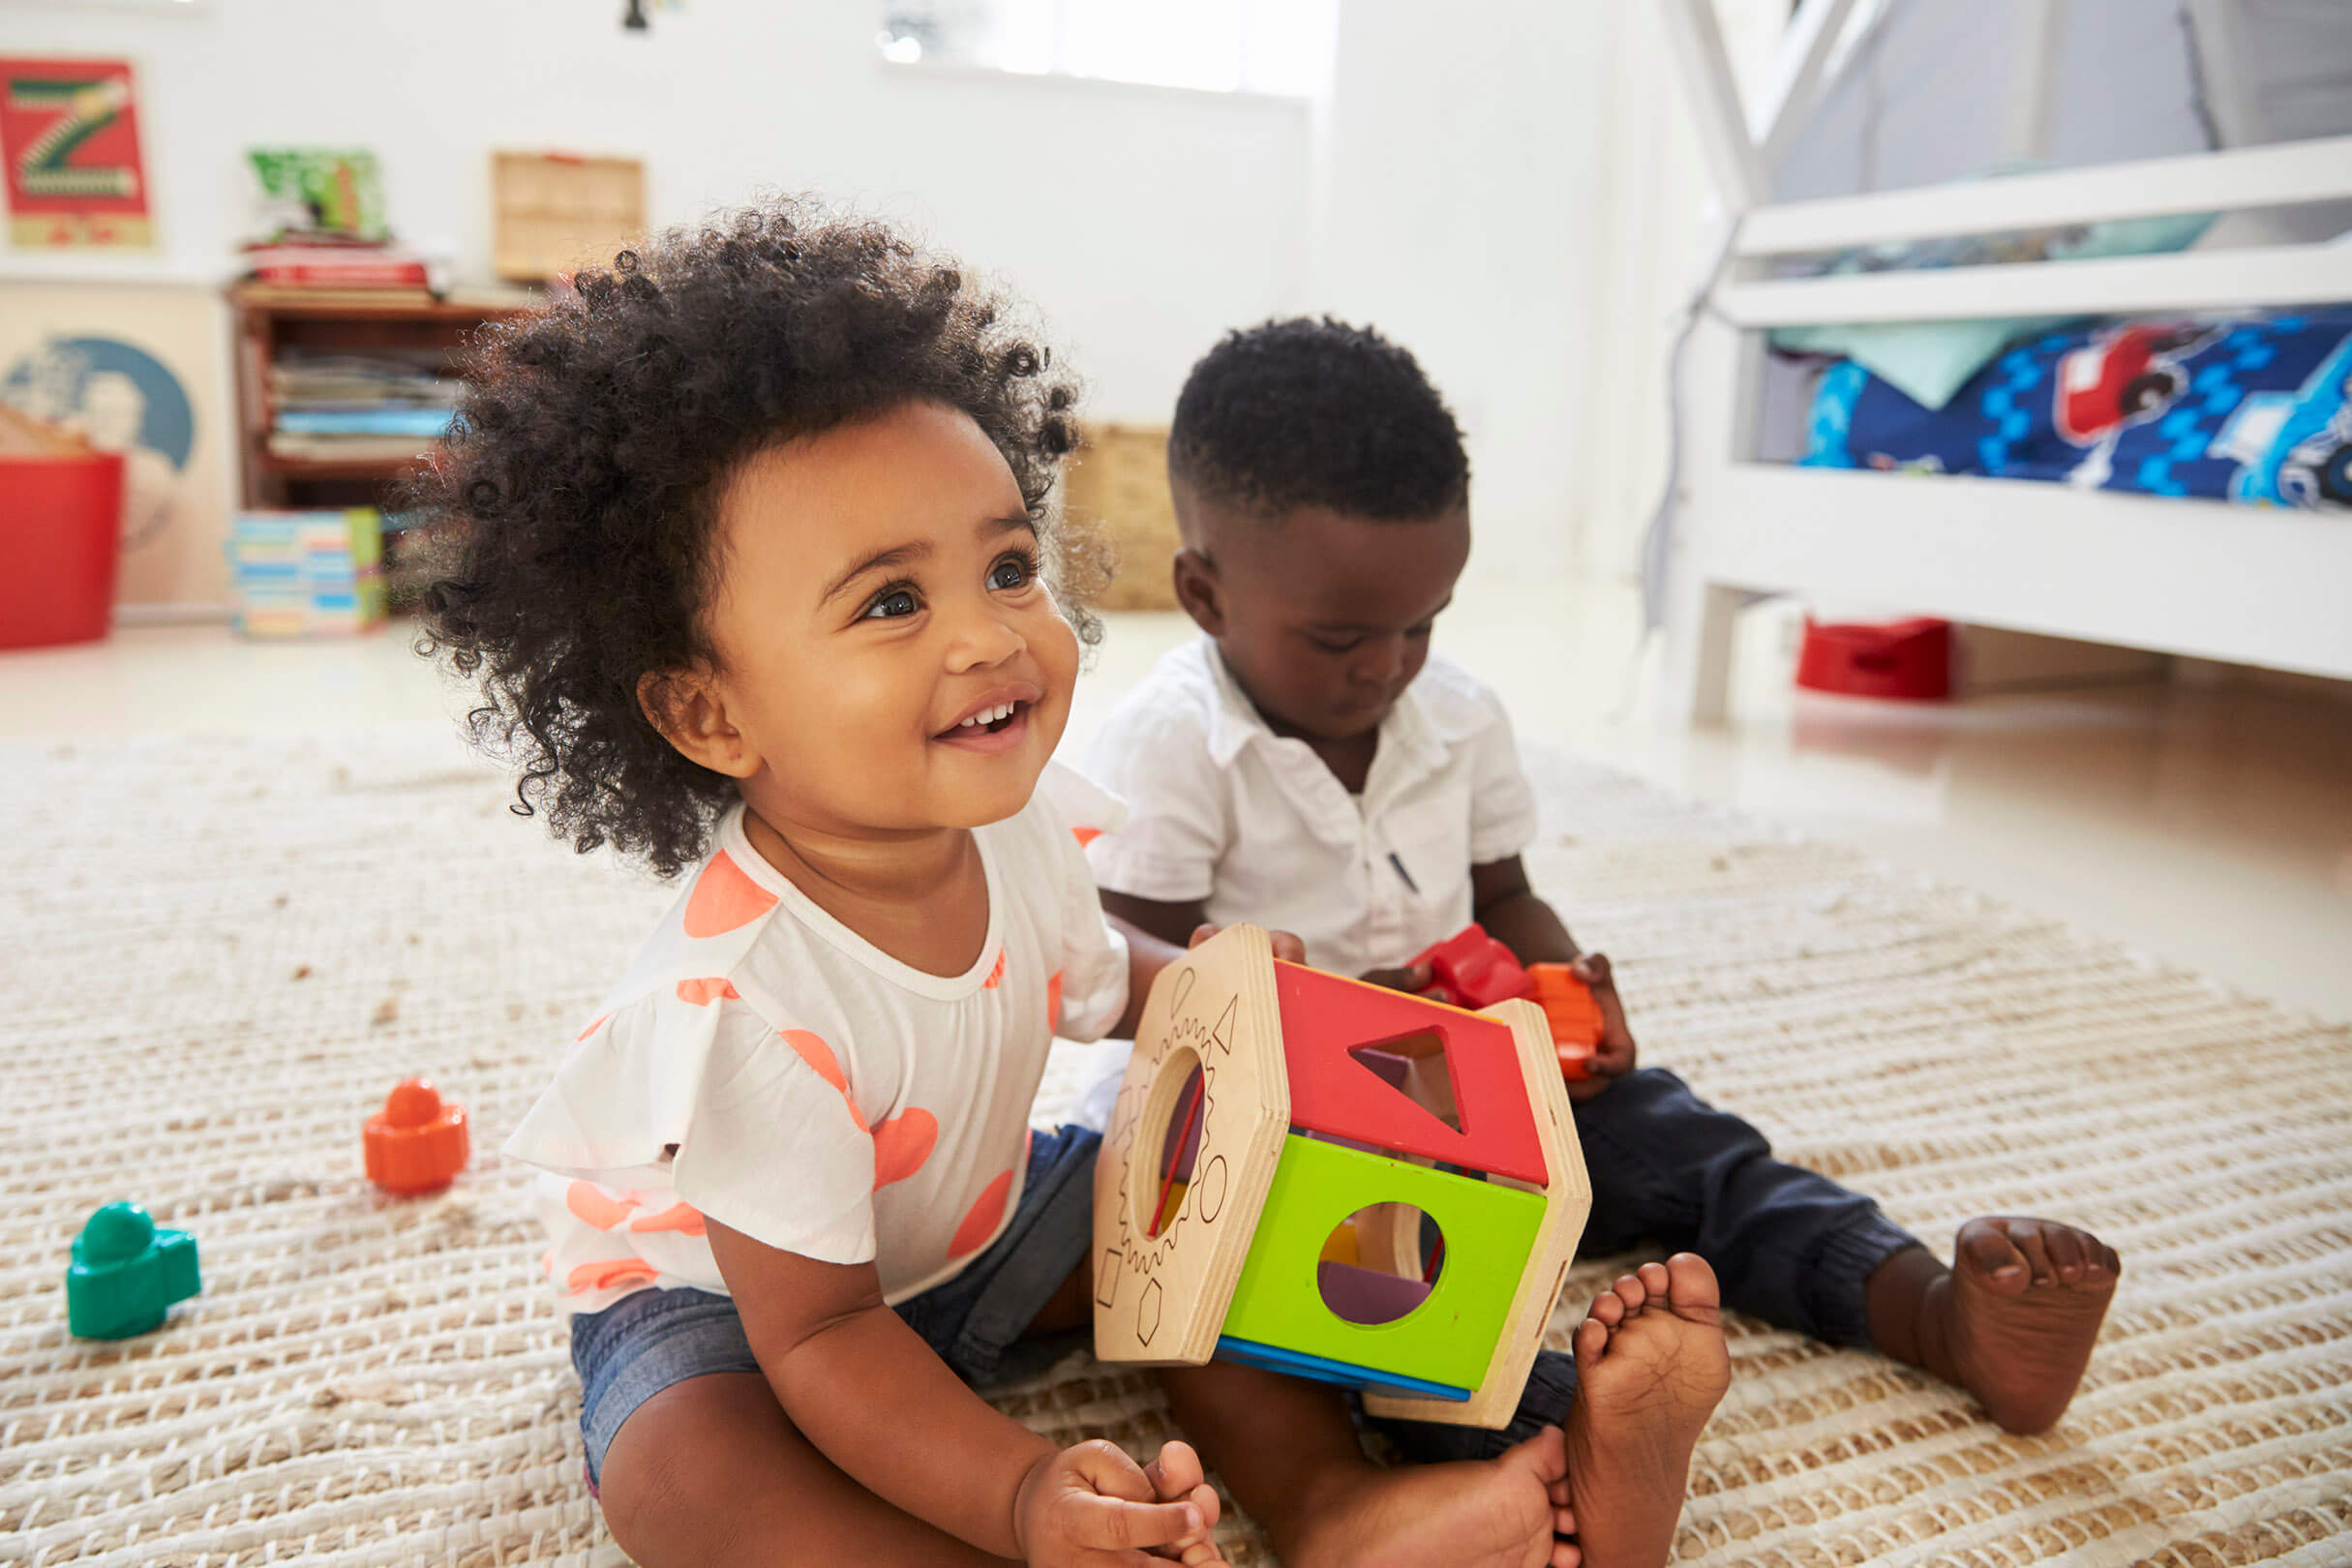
1470	969
1574	1016
418	1144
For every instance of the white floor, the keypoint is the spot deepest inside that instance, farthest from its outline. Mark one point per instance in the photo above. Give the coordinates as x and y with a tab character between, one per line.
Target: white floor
2209	826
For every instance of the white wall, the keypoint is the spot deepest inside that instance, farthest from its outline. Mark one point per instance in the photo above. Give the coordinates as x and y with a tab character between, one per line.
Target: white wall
1457	216
1447	191
1142	221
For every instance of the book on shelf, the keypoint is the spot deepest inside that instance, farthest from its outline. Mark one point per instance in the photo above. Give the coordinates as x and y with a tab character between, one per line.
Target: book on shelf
383	449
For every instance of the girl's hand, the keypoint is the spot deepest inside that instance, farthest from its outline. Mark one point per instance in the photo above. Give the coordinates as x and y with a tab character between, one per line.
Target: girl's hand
1614	1055
1176	1476
1091	1506
1287	948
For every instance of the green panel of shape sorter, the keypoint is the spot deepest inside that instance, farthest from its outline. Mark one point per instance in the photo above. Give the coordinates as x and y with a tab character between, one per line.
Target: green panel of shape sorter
1489	1234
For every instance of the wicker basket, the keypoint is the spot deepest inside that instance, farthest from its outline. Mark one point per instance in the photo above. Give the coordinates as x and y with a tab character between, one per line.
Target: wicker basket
1119	482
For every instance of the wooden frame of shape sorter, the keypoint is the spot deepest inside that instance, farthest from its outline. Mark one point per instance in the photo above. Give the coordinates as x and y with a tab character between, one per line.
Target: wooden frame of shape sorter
1312	1097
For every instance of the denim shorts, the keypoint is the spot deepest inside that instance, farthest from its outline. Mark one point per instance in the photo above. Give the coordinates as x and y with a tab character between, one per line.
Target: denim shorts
652	1338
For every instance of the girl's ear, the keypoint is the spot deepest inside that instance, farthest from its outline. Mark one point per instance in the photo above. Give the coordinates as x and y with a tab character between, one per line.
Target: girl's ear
689	710
1199	592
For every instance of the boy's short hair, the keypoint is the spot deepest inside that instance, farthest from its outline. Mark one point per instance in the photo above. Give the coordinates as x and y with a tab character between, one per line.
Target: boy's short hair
579	488
1315	413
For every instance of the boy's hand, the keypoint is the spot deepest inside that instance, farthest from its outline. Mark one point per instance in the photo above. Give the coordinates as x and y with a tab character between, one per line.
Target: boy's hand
1287	948
1614	1055
1412	978
1091	1505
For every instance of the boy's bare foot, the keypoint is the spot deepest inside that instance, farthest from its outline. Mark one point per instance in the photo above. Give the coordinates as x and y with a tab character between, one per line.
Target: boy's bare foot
1650	1367
1506	1512
1177	1476
2012	1320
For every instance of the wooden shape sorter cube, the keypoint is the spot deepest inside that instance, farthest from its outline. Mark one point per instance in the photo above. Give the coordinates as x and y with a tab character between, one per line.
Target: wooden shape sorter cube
1337	1181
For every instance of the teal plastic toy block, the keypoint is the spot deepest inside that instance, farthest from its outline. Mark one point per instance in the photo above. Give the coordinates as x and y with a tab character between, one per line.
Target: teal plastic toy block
125	1274
1449	1338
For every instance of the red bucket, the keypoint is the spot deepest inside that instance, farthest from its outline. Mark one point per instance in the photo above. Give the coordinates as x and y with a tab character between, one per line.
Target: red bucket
60	543
1909	660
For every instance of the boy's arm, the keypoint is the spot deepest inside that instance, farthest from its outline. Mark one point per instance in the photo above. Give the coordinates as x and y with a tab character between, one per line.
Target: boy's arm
1502	901
1171	923
865	1389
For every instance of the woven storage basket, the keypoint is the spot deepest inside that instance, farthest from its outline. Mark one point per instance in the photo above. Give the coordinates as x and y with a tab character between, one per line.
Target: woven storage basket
1119	482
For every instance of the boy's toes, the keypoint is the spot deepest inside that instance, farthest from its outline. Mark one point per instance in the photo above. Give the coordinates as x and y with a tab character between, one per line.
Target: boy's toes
1984	1248
2064	1245
1654	1281
1691	1288
1590	1340
1608	1309
1630	1290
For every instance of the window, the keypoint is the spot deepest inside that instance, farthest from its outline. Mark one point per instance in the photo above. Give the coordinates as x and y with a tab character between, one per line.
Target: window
1213	45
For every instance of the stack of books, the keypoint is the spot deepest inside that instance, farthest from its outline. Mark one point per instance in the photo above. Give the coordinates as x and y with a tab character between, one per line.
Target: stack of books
380	408
307	574
326	262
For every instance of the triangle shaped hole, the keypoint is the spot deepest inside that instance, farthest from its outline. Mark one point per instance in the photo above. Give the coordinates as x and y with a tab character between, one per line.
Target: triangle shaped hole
1416	1068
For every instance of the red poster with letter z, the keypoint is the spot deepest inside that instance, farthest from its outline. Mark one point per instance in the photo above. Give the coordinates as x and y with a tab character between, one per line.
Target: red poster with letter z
68	132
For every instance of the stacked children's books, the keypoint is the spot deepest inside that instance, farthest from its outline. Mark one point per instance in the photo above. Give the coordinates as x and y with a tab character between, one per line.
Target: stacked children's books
389	404
307	574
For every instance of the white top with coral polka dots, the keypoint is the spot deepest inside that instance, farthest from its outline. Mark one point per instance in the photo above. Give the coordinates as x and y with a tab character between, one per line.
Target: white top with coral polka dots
762	1063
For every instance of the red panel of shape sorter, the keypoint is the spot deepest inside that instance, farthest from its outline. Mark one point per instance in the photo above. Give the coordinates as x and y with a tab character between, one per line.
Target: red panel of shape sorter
1325	1016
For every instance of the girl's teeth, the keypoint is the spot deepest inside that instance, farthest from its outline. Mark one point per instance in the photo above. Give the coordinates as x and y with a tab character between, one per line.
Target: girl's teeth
987	716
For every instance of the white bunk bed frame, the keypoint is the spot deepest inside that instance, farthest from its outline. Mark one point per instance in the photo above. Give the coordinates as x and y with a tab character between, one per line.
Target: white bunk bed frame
2209	579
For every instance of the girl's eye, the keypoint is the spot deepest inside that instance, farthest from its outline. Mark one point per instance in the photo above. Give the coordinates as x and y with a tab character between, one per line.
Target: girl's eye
891	604
1012	572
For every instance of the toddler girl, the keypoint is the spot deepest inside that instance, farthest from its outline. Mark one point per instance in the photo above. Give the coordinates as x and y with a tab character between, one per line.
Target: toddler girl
754	566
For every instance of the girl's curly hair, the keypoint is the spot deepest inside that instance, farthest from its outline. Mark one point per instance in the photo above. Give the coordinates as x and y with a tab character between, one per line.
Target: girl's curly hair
576	494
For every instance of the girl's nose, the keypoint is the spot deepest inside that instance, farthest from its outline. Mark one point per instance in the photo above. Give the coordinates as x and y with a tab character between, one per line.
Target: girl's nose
984	638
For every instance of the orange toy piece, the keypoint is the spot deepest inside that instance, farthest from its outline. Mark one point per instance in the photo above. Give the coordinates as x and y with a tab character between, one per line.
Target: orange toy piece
1574	1015
418	1143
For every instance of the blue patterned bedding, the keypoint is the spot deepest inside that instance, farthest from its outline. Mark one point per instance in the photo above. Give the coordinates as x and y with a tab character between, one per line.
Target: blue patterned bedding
2251	410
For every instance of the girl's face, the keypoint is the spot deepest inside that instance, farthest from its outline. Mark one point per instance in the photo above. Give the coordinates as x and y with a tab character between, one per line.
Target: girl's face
889	660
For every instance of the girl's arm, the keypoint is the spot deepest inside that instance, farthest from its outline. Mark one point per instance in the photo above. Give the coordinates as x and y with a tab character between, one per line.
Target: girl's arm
876	1402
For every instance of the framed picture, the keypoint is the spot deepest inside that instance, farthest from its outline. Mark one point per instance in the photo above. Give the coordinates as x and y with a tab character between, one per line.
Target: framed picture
68	134
143	370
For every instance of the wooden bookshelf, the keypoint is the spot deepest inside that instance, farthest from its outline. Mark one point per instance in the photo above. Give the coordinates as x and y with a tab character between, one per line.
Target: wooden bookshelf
273	319
270	320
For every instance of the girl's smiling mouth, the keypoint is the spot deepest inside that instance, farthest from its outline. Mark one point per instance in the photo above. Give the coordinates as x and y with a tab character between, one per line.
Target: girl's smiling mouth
997	722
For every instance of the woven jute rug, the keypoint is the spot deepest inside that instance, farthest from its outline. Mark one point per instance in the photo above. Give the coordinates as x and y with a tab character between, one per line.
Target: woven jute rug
219	954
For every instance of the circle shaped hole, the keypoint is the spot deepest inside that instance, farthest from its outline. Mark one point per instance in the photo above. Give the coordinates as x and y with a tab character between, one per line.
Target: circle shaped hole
1380	1263
1169	1141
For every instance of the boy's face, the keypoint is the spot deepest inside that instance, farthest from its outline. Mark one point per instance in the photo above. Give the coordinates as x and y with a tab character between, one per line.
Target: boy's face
1324	617
878	586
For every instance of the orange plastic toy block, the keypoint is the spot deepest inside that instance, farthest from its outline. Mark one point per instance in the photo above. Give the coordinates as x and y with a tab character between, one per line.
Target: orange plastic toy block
417	1143
1470	969
1574	1015
1471	1063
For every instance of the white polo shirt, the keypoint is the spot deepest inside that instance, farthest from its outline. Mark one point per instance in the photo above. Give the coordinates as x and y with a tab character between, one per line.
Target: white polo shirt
1221	810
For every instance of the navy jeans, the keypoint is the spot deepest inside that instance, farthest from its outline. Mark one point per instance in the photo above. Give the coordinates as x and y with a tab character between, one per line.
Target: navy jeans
1788	1245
